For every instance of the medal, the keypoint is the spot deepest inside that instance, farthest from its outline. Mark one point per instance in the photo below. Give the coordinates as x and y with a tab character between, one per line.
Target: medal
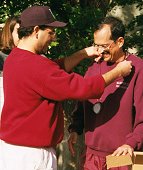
97	107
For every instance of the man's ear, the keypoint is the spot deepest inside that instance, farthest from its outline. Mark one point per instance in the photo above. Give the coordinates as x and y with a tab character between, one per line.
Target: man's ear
120	42
36	29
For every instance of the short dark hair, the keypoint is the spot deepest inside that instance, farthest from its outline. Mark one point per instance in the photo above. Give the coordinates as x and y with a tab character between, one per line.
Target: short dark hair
27	31
116	25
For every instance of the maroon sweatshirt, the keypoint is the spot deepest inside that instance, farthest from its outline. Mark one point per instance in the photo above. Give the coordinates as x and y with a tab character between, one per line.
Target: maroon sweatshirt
120	120
33	88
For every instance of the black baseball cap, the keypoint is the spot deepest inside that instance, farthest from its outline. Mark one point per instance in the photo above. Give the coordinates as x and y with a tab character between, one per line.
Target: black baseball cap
39	15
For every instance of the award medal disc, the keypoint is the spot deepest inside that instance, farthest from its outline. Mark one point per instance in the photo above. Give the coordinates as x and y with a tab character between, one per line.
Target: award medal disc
97	107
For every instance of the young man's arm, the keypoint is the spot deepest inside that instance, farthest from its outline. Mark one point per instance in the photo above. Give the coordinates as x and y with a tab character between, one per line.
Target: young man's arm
121	70
71	61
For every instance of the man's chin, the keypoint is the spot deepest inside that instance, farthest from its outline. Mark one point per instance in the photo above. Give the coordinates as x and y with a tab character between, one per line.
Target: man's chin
107	57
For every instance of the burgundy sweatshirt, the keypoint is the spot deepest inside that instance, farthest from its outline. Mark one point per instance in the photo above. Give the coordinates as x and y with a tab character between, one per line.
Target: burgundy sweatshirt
34	86
120	120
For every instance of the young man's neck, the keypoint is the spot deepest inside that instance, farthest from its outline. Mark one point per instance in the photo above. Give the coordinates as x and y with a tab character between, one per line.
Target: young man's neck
26	44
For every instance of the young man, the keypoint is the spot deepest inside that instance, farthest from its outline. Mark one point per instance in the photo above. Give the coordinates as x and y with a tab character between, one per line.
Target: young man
34	86
113	124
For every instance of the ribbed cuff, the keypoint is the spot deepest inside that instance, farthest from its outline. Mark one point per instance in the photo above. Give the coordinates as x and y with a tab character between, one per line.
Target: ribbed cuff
131	142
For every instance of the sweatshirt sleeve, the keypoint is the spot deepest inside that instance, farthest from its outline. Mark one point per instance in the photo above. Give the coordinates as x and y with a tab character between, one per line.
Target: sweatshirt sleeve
77	119
135	139
59	85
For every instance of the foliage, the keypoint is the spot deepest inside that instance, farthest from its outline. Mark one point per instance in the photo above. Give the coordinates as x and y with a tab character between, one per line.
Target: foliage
82	17
135	27
134	40
14	7
78	33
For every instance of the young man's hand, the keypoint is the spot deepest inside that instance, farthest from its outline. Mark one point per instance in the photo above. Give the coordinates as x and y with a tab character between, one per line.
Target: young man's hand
124	67
93	52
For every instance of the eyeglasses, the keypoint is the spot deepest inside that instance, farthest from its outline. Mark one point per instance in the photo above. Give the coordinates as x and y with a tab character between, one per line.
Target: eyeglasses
103	46
51	32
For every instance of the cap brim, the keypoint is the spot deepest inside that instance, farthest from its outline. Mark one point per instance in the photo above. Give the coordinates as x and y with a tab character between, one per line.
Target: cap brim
57	24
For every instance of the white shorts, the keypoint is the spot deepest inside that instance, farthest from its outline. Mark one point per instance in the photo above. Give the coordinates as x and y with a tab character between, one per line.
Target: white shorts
13	157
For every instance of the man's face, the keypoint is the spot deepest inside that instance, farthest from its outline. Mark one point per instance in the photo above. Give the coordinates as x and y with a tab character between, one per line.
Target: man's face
110	50
45	37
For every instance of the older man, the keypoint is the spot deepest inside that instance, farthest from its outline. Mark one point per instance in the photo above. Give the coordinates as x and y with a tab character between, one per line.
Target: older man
113	123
